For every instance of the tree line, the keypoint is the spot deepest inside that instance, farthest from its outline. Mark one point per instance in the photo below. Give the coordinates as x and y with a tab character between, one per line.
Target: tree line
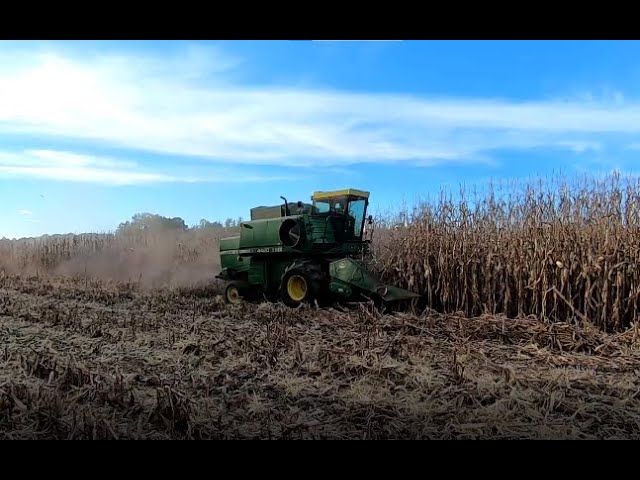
155	222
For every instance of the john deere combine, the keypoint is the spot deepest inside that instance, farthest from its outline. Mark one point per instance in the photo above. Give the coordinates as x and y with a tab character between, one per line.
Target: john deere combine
300	252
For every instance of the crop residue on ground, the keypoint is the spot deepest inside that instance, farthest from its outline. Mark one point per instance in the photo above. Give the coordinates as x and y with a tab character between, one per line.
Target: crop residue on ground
91	359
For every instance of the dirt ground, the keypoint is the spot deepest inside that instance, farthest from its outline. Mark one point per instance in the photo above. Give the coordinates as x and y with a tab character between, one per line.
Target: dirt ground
85	359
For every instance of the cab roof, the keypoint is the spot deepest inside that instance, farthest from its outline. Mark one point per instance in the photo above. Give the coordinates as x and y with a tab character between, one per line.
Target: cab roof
321	195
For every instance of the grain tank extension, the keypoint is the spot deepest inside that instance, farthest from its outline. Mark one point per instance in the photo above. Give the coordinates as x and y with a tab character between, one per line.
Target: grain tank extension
304	252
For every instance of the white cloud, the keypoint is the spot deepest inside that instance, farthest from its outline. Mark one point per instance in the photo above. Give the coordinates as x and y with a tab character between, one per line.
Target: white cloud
190	105
73	167
56	165
28	216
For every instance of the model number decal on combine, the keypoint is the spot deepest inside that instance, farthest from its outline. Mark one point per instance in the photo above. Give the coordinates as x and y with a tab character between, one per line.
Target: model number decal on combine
268	250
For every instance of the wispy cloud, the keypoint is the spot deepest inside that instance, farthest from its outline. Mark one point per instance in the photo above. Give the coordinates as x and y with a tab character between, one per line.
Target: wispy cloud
57	165
28	216
193	105
72	167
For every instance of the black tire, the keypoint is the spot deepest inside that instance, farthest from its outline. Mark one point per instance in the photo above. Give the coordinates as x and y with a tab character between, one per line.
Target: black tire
301	283
235	292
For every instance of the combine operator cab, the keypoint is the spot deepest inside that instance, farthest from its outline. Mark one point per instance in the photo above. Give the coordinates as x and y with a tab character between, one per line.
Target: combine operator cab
346	209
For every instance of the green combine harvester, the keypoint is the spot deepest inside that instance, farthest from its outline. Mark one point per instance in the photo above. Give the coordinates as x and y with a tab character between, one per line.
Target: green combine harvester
304	253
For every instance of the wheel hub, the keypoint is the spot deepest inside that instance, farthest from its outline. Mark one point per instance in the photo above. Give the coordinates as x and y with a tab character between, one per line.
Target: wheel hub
297	288
233	295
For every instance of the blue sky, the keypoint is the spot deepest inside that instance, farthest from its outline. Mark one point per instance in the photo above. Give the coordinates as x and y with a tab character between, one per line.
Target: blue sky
94	132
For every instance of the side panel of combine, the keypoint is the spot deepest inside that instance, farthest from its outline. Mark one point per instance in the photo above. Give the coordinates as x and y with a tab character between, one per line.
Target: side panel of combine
267	272
229	243
229	254
260	233
233	265
257	271
275	270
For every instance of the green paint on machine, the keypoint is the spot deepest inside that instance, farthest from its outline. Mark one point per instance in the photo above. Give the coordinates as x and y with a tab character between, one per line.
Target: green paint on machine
298	252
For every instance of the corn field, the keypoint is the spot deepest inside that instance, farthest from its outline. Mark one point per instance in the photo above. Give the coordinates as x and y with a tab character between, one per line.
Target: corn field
568	253
561	251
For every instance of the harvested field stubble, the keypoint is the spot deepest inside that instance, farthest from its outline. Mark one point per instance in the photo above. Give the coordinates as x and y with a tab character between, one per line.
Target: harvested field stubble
101	360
